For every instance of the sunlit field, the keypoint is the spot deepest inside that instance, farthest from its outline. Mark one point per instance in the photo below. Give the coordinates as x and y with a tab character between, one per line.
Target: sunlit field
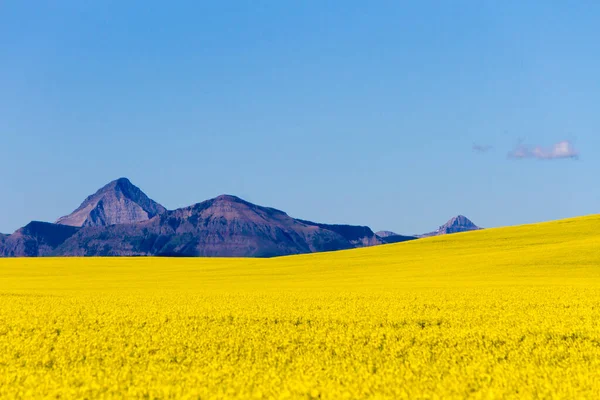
501	313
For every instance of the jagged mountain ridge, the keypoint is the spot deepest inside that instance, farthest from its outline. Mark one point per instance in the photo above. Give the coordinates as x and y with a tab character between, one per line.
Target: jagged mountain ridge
226	226
119	202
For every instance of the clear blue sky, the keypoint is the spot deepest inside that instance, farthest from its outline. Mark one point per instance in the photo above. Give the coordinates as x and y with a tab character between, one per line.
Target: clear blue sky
340	111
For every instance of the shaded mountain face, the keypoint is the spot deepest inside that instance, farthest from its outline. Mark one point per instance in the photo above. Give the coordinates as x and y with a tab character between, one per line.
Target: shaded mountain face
457	224
389	237
358	236
35	239
119	202
397	239
226	226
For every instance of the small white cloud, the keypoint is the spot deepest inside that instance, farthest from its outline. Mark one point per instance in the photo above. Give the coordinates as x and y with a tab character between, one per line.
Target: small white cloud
564	149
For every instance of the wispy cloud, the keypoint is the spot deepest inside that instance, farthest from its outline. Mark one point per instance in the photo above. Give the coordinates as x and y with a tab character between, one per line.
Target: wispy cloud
479	148
564	149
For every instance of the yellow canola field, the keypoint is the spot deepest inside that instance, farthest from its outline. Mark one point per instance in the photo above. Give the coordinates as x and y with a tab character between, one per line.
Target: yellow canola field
499	313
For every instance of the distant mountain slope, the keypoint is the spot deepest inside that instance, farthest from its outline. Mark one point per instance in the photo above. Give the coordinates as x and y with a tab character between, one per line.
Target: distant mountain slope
397	238
384	234
388	237
35	239
359	236
457	224
119	202
226	226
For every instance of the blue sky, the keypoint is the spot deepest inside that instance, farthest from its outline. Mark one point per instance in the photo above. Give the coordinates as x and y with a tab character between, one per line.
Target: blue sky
372	113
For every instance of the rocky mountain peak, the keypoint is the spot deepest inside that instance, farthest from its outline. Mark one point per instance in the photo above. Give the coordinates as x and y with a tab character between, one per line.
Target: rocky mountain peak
118	202
232	207
460	223
228	198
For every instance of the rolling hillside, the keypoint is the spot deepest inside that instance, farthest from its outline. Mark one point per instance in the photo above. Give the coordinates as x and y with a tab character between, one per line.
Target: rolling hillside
497	313
561	252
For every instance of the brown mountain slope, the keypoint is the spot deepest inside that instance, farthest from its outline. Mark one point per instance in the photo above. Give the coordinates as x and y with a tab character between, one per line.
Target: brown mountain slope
226	226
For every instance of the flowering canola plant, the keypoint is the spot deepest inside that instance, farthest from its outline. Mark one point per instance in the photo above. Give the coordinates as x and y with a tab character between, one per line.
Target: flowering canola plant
499	313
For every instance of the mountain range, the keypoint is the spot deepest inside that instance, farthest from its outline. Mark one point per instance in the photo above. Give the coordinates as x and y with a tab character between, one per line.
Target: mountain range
120	220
